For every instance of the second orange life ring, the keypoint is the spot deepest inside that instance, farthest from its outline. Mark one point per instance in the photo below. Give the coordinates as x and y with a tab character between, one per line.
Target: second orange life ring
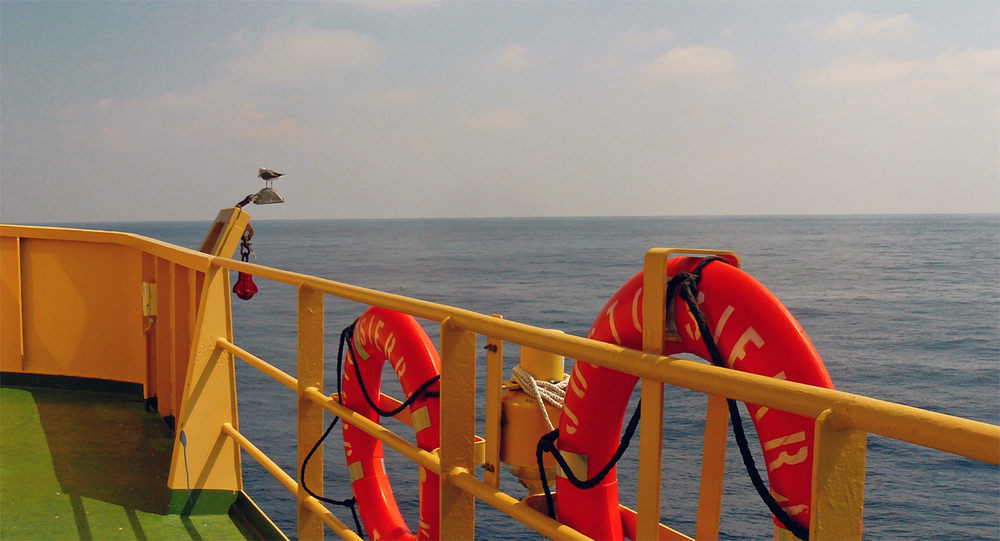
381	335
754	332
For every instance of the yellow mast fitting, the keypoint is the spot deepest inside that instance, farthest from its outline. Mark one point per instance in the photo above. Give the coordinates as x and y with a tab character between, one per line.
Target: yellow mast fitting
523	423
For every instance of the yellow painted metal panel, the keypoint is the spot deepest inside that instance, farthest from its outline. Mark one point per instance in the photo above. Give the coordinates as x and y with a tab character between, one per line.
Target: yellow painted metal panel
181	256
458	413
203	457
82	305
838	493
310	415
224	236
11	345
184	320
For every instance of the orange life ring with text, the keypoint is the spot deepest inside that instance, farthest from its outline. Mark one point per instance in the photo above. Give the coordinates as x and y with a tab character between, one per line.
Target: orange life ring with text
382	335
754	332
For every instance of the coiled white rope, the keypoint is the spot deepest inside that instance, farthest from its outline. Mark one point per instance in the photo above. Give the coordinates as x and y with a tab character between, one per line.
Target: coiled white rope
553	392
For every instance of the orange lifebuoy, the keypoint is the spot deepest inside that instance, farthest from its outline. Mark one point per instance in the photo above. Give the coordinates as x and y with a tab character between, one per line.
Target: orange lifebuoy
381	335
754	332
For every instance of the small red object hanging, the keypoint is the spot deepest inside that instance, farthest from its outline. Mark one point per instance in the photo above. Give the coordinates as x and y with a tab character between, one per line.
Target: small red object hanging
245	288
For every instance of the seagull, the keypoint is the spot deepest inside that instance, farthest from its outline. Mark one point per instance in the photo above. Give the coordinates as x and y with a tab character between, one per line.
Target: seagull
267	174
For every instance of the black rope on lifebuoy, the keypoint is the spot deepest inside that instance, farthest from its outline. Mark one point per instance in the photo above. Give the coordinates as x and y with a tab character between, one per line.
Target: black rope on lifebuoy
547	444
349	502
348	336
686	287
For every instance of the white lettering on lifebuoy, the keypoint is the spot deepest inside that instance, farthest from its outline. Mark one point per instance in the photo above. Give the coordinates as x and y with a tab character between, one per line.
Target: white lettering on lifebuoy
570	429
785	440
785	458
739	350
611	322
635	310
765	409
378	327
390	343
791	509
722	322
578	378
360	336
694	333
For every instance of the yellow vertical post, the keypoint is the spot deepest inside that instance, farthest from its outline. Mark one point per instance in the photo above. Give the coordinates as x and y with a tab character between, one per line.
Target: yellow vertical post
651	425
838	491
310	415
202	459
494	379
713	467
458	414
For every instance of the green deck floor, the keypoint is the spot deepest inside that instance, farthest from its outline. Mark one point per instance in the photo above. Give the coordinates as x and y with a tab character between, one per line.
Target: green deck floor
82	465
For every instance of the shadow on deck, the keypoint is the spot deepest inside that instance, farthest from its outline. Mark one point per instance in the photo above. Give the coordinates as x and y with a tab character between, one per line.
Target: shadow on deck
78	464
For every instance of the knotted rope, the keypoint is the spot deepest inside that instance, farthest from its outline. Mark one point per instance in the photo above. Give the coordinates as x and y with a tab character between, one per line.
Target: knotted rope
553	392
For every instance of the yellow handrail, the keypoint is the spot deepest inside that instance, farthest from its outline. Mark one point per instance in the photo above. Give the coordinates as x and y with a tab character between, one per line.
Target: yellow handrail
965	437
286	480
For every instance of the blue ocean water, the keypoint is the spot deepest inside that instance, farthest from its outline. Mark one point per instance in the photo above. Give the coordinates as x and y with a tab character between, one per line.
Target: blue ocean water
901	308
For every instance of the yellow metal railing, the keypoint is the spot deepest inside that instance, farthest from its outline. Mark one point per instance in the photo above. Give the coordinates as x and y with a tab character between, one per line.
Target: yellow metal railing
843	420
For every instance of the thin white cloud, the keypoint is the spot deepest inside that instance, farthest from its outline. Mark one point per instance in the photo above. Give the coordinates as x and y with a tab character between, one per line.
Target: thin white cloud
513	57
861	72
224	109
977	63
215	112
952	87
689	63
856	24
500	119
287	56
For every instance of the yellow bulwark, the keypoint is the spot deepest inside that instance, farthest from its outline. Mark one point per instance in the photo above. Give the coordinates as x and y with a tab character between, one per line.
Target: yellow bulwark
122	307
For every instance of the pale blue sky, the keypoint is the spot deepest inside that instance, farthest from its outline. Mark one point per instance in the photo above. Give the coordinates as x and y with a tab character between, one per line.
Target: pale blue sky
164	110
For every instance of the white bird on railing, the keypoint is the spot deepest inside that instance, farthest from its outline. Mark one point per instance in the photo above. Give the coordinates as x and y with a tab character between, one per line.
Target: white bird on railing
268	175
